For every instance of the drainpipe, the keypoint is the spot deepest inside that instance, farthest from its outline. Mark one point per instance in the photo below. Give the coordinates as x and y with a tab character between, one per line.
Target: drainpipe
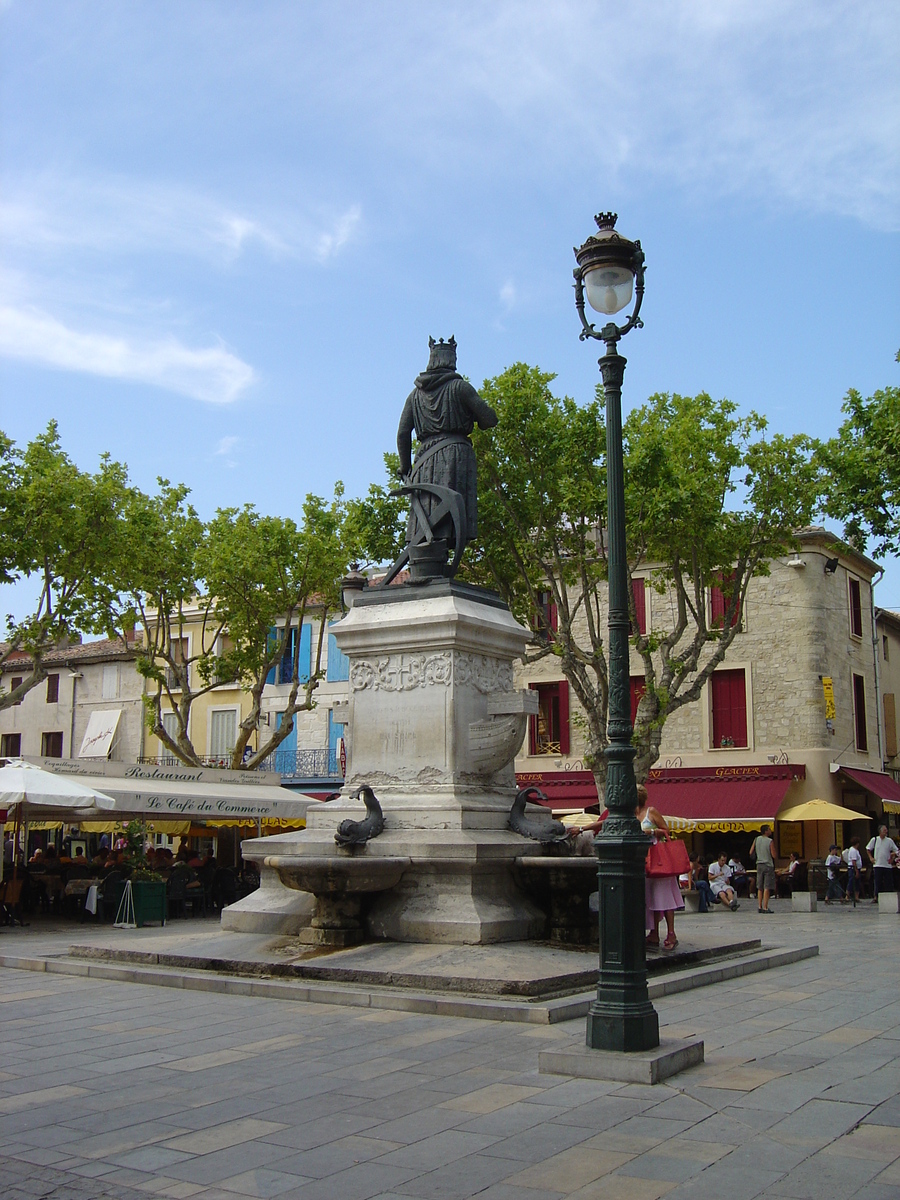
872	583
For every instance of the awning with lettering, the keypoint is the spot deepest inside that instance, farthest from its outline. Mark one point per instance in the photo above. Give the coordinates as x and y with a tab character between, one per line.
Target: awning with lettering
147	792
724	799
883	786
99	735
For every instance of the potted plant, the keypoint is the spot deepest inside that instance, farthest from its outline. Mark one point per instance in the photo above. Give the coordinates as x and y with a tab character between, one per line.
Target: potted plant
148	887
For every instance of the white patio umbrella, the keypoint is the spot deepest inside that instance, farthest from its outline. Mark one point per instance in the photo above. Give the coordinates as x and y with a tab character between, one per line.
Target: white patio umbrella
25	786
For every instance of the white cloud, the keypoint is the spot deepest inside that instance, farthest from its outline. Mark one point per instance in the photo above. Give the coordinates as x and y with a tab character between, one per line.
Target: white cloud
53	213
226	445
212	374
508	295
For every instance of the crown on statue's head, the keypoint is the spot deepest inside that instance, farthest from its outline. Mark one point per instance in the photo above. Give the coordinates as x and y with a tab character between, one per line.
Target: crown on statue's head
443	354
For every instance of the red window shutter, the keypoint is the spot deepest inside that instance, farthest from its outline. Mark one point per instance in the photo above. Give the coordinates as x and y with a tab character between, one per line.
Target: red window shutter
563	693
719	601
638	686
729	708
638	591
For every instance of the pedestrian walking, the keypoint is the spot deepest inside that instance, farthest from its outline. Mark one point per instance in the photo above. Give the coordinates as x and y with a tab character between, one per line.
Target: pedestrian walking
853	859
761	853
834	891
662	895
883	851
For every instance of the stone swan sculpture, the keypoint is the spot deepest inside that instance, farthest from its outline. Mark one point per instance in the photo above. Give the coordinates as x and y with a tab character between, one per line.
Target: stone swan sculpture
554	831
357	833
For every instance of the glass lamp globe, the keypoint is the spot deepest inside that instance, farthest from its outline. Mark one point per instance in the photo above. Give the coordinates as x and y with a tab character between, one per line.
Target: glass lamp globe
609	289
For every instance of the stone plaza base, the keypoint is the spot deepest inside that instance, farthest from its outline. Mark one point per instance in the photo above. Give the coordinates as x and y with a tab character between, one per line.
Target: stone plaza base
804	902
642	1066
889	903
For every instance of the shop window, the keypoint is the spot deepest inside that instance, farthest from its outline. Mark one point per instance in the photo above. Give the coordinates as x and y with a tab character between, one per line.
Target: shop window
638	685
10	745
639	594
855	596
549	728
859	712
53	689
728	690
52	745
720	596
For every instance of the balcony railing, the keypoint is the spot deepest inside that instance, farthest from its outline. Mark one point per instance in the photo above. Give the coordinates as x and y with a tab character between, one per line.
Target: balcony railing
322	763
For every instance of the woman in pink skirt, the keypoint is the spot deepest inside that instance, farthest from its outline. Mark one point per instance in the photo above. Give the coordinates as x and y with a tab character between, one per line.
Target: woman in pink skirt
662	895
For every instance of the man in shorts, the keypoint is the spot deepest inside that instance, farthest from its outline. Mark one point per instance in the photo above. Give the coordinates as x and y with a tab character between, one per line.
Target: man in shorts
761	852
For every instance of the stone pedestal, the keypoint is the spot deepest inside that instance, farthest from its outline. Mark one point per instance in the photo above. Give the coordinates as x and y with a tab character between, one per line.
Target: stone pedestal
804	902
435	725
889	903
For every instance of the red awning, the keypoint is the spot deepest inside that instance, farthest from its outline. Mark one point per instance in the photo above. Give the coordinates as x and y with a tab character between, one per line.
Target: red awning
876	782
563	789
710	799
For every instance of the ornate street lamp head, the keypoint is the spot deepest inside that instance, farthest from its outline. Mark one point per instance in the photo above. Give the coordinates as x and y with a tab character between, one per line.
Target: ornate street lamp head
610	270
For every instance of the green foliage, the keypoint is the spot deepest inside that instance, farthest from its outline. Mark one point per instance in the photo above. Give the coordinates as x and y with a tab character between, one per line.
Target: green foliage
60	525
375	527
863	466
136	853
708	500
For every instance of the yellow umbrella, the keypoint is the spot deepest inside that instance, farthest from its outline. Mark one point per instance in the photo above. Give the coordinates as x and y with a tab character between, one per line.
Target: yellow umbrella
821	810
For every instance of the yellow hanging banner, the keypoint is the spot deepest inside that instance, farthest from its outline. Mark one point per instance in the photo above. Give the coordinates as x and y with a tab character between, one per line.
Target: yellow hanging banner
828	689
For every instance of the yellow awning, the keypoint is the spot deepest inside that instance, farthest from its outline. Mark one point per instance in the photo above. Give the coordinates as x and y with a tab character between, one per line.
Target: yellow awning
685	825
892	806
820	810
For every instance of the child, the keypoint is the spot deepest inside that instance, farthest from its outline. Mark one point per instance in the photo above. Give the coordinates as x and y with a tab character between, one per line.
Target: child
833	864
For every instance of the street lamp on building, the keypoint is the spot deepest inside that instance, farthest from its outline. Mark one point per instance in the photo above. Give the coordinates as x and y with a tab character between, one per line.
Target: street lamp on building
610	273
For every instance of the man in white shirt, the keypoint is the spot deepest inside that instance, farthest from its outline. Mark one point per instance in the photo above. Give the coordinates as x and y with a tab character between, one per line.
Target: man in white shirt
853	859
884	853
719	876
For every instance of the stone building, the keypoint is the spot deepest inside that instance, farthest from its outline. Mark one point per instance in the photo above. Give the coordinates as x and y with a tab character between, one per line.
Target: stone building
794	713
90	705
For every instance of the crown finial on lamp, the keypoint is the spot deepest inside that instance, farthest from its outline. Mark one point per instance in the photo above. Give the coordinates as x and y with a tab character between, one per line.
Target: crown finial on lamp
606	220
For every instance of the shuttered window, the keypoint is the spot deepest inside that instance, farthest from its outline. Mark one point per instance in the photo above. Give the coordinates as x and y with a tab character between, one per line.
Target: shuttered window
890	725
549	729
859	712
638	685
222	732
52	689
729	708
338	665
639	593
719	599
856	626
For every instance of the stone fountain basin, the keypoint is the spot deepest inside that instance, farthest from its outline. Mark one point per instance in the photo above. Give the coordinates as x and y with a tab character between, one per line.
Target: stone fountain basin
327	875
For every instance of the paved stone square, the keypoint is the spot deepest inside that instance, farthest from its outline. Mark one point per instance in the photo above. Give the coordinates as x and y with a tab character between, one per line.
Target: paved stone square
120	1090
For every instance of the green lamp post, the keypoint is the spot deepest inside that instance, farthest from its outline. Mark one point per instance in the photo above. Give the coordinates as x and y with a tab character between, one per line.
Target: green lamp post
610	273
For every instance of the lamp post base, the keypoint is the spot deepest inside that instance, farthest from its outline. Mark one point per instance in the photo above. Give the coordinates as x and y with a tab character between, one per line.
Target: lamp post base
608	1028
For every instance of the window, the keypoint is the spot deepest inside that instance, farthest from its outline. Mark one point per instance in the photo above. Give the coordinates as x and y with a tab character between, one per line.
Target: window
720	597
222	732
890	725
283	672
885	648
550	727
855	607
15	682
109	682
10	745
53	689
180	653
859	712
639	594
170	725
728	691
546	620
338	665
52	745
638	686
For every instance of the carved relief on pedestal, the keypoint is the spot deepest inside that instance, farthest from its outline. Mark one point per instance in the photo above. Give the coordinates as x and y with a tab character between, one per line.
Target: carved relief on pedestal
405	672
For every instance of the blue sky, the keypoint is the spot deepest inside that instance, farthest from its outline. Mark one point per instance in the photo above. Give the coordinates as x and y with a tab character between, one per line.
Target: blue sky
228	229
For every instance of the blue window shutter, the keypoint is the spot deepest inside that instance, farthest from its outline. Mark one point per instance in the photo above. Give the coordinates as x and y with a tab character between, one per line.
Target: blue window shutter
270	644
286	671
305	652
338	667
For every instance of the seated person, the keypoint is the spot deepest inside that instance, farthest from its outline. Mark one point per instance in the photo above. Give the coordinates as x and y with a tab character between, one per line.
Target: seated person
719	874
99	859
740	880
694	881
786	878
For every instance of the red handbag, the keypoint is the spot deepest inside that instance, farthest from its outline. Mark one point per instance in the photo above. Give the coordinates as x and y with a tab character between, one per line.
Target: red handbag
667	858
